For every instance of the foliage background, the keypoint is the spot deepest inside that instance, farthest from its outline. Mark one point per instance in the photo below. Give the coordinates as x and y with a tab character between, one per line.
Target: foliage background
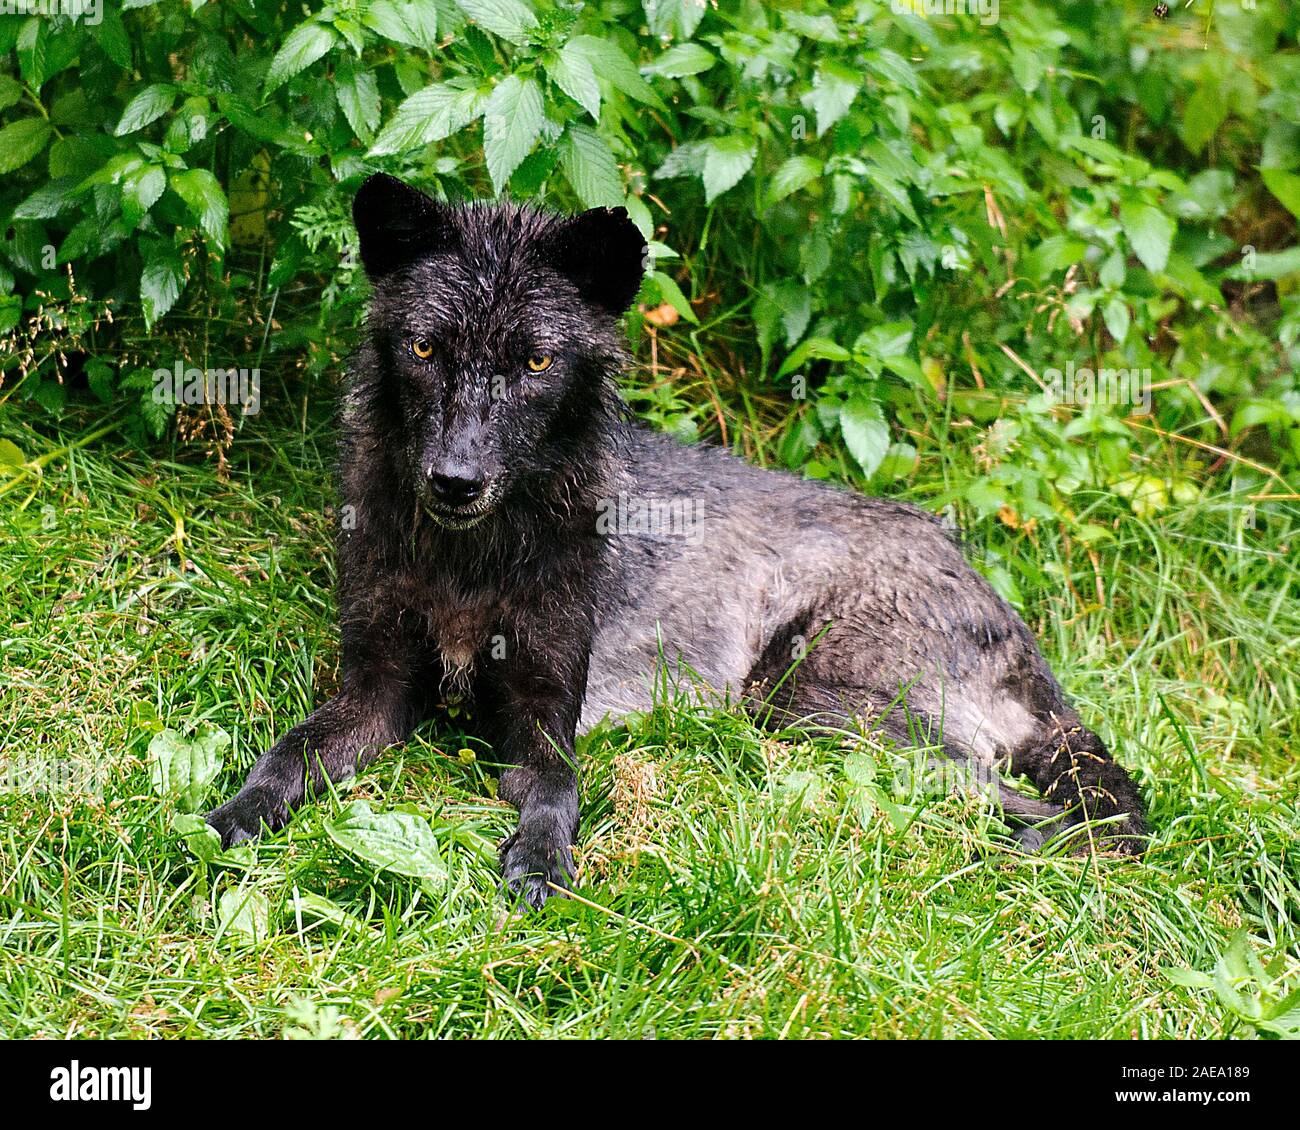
896	210
875	233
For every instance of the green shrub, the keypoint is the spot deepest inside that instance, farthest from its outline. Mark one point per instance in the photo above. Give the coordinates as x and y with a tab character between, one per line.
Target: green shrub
912	221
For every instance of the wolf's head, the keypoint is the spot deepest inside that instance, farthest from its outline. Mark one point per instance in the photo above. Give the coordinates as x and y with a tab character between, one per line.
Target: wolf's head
494	330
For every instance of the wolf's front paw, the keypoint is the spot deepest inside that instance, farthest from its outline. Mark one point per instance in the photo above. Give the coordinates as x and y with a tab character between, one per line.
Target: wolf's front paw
244	817
531	861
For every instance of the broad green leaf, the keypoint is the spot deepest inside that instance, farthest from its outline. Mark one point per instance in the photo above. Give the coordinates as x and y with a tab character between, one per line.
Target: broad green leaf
22	140
822	348
1285	186
512	20
793	175
392	841
11	90
865	433
572	72
1116	316
182	769
429	115
671	293
512	121
141	189
683	59
243	914
200	837
11	455
1150	233
161	283
1206	110
833	91
589	165
726	160
357	91
614	67
301	48
677	18
412	22
147	106
202	192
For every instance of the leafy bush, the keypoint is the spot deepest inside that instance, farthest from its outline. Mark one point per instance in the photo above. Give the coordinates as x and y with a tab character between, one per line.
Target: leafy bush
902	223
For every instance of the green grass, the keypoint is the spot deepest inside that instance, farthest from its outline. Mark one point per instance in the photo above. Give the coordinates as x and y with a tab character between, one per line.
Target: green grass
733	883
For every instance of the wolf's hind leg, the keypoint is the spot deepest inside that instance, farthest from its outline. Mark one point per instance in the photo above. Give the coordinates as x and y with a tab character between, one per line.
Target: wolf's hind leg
825	707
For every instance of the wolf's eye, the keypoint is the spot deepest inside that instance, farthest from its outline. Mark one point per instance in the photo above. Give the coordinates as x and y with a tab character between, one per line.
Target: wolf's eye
422	348
539	362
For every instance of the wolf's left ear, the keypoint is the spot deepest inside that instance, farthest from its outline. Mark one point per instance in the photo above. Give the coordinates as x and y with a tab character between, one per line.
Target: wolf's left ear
603	253
396	223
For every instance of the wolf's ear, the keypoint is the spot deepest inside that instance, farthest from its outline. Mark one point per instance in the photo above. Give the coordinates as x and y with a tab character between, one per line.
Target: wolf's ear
603	253
396	223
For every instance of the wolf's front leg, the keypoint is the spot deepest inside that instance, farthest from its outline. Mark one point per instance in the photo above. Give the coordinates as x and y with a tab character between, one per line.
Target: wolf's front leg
333	743
530	705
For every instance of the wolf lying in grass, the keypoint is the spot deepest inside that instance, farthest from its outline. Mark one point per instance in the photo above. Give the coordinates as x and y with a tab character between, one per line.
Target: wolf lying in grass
490	469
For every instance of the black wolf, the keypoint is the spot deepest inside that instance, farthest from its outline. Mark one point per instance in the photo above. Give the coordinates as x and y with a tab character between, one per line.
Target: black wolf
516	535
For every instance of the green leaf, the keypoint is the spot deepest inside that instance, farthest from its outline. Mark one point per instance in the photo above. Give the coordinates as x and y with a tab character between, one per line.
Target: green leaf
834	88
1285	186
11	90
572	72
865	433
683	59
141	189
412	22
793	175
22	140
671	293
357	91
147	106
200	837
512	121
202	192
392	841
243	914
589	165
11	455
1150	233
301	48
161	282
677	18
614	67
49	200
512	20
814	347
726	160
183	769
429	115
1116	316
1206	110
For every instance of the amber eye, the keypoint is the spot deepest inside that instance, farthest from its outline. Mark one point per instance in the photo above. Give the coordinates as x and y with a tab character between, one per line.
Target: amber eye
539	362
422	348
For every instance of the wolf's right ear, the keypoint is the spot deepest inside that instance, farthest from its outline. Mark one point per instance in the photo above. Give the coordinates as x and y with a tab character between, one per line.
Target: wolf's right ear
396	223
604	254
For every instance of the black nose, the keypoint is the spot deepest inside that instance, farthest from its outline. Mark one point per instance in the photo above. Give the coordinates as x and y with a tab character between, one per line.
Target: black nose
455	486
